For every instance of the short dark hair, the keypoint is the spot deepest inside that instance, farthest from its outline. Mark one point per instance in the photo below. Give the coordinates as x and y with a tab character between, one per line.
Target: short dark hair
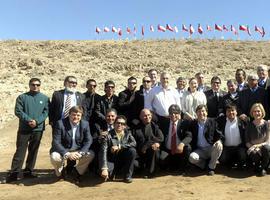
109	82
215	78
174	108
111	110
180	79
68	77
121	117
151	70
132	78
33	80
201	106
90	80
230	106
231	81
76	109
241	70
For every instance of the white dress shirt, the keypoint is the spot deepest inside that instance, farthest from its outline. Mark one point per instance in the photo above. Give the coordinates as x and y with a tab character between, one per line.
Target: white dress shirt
74	130
169	137
160	99
232	133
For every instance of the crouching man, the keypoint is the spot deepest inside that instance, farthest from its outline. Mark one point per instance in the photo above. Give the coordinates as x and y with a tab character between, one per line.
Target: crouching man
70	145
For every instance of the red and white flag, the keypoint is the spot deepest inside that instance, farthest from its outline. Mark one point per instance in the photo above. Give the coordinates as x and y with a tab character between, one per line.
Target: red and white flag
233	29
106	29
98	30
119	31
261	31
248	31
142	30
114	30
208	28
225	28
191	29
176	29
134	30
218	27
243	28
152	28
161	28
200	29
184	28
128	30
168	27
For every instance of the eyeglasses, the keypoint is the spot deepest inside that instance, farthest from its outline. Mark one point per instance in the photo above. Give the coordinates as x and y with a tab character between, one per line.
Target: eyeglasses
73	82
121	123
132	83
33	84
146	81
109	86
93	86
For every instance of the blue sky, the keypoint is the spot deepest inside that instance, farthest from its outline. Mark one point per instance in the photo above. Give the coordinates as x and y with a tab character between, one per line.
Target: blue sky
77	19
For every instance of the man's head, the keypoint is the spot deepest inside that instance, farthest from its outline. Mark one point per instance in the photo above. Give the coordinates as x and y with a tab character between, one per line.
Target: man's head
240	76
201	112
109	88
181	83
146	116
70	83
174	112
91	85
34	85
262	71
75	114
132	83
232	86
215	83
120	123
252	81
231	111
146	82
164	79
153	74
111	116
200	78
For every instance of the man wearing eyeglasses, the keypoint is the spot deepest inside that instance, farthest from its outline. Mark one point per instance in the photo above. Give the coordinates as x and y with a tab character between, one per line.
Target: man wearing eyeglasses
32	110
117	151
64	99
214	97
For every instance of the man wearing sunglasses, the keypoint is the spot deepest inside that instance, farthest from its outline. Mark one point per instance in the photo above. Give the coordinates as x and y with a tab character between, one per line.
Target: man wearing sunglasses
32	110
64	99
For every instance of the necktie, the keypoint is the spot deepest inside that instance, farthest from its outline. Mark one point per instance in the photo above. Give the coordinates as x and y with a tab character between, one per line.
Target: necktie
67	106
173	139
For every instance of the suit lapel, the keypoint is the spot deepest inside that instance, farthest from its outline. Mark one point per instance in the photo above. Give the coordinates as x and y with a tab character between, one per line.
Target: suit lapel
68	127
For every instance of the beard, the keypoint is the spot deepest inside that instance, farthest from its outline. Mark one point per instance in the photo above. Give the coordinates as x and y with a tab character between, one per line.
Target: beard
71	89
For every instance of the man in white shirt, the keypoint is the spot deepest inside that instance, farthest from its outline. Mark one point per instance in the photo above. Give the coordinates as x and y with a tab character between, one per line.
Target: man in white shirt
70	145
233	130
161	98
181	88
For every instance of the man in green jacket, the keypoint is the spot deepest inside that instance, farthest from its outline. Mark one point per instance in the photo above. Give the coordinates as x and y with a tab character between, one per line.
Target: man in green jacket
32	110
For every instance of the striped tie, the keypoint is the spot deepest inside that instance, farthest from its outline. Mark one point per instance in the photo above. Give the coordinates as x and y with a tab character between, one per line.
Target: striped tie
67	105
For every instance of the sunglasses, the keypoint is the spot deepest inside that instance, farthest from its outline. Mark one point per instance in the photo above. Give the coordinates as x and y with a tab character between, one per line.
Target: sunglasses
93	86
121	123
109	86
132	83
73	82
32	84
146	81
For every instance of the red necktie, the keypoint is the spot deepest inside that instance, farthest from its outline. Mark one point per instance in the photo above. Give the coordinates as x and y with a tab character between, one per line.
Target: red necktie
173	139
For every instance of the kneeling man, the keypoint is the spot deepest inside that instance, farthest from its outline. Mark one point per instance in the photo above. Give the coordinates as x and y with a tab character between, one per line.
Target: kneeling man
71	143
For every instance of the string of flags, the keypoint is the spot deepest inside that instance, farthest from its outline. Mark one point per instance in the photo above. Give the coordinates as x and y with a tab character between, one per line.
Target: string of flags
189	29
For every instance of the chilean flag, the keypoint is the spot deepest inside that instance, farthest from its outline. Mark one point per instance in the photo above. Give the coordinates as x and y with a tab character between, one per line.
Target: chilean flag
161	28
234	30
176	29
208	28
98	30
119	32
191	29
114	30
142	30
168	27
152	28
225	28
184	28
218	28
243	28
261	31
106	29
200	29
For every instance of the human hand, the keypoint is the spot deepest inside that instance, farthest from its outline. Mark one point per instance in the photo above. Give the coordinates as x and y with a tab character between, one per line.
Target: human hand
180	148
155	146
105	174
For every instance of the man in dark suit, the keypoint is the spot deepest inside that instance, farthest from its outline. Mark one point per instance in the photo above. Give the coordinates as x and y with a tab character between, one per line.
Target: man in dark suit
148	137
233	131
262	72
126	100
108	100
118	151
240	77
201	85
63	100
177	141
254	94
214	97
71	143
206	141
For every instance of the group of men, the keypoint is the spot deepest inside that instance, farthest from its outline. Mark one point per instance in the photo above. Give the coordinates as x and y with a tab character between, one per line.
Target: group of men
146	127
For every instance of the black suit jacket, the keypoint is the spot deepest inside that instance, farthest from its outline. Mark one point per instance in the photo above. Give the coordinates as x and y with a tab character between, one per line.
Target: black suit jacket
182	130
211	133
138	103
241	125
226	100
62	137
125	106
213	102
57	104
89	104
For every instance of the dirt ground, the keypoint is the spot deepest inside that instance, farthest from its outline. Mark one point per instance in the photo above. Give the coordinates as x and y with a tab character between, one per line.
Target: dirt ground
226	184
